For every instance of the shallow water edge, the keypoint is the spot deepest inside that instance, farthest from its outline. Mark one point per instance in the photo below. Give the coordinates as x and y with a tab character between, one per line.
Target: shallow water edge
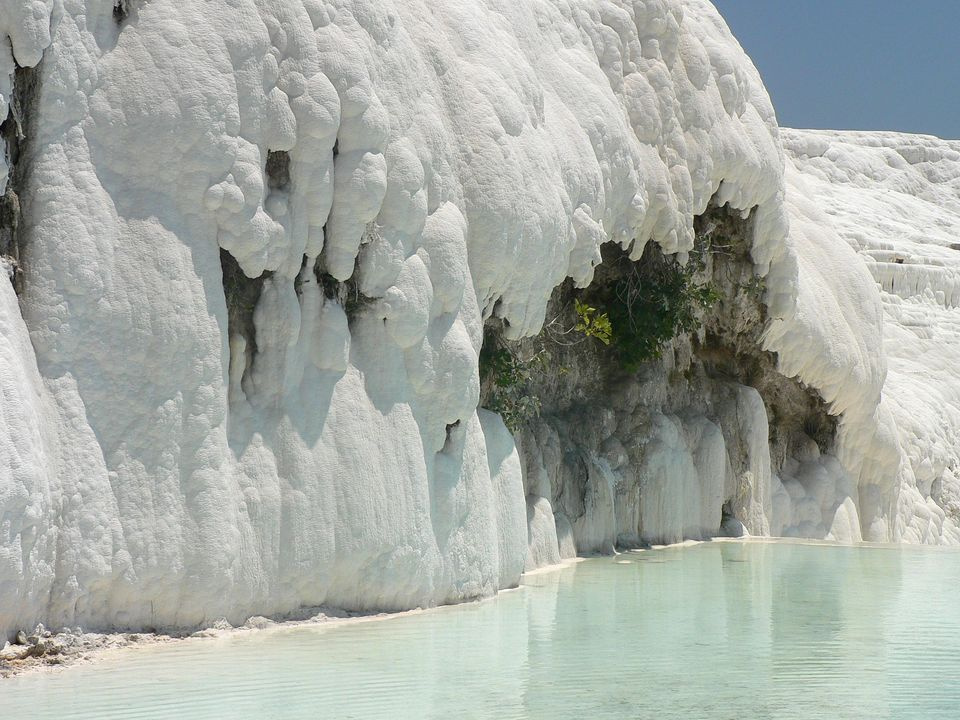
66	649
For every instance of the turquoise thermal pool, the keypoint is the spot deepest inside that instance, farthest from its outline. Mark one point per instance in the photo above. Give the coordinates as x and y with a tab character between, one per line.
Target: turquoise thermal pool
714	631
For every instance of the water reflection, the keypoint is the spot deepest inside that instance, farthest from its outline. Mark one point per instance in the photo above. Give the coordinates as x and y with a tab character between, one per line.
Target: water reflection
722	630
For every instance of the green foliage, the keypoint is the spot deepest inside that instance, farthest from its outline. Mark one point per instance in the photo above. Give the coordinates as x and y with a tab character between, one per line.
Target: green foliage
755	287
508	377
515	410
499	364
646	311
593	323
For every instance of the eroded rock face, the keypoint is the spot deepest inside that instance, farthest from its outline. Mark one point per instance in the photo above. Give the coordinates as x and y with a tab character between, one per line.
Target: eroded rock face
710	431
259	242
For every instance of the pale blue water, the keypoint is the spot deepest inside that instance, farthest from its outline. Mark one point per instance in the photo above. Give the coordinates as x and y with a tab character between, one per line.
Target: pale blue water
719	631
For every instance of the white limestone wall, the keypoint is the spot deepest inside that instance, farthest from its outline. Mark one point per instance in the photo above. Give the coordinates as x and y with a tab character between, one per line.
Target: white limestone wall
895	202
455	158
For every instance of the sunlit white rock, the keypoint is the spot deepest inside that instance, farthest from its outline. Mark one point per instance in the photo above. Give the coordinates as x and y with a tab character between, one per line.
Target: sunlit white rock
455	159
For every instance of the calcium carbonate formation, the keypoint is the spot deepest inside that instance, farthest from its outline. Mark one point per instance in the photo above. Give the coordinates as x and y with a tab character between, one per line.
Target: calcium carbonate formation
388	175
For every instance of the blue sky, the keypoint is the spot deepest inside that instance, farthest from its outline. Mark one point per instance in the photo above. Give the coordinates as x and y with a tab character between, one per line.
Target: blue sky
856	64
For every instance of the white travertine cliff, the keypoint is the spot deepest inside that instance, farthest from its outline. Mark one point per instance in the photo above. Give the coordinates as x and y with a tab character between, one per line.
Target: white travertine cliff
257	244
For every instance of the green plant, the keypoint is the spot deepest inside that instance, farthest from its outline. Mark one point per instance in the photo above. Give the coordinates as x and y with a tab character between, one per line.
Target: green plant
507	378
515	411
593	323
754	287
500	366
650	304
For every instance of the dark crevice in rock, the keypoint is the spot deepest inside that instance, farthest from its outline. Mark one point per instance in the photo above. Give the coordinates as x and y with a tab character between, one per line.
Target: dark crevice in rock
15	131
278	169
298	281
242	294
9	228
125	13
345	292
121	9
731	344
452	428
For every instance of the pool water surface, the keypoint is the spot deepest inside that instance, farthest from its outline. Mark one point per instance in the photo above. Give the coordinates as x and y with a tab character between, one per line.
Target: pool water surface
715	631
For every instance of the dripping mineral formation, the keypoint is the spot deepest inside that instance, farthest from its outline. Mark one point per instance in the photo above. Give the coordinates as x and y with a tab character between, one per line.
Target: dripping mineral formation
271	261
